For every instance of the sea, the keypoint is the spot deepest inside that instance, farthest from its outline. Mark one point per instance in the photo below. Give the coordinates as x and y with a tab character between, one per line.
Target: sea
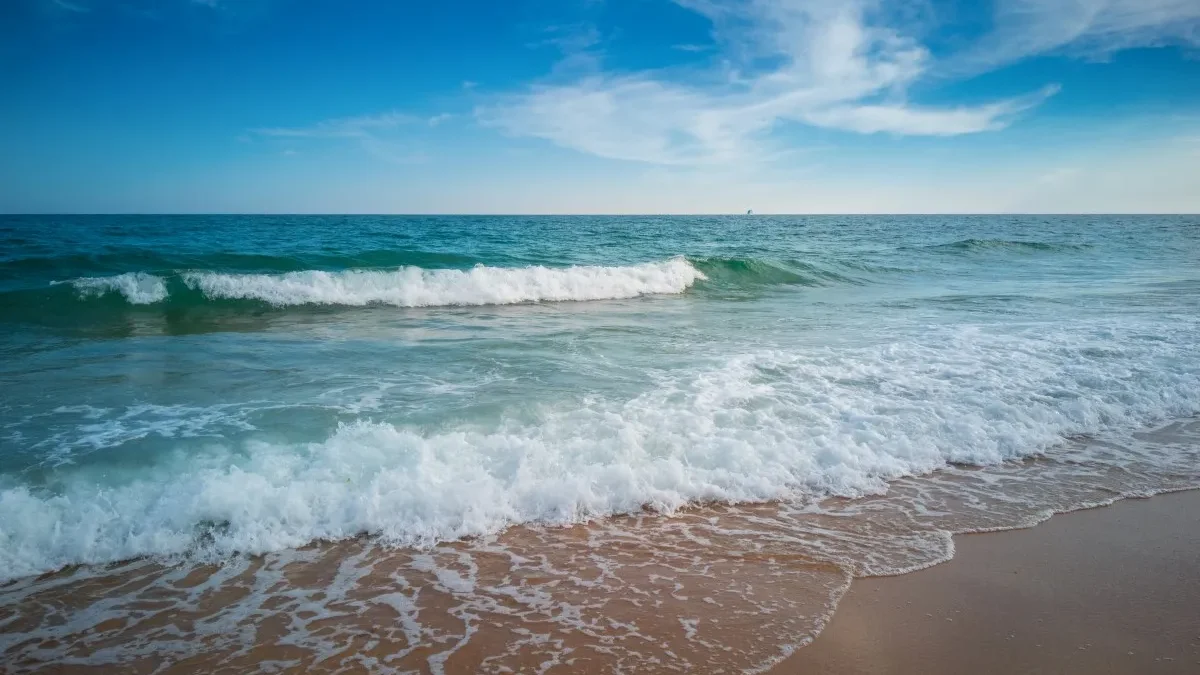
395	444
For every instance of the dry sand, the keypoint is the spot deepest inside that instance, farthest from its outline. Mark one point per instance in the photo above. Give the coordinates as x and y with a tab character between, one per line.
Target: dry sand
1108	590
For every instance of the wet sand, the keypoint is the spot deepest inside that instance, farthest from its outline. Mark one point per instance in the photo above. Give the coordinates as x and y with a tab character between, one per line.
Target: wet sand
1108	590
713	588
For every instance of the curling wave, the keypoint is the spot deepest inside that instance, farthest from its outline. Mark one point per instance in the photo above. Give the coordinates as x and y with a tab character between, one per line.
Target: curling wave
410	286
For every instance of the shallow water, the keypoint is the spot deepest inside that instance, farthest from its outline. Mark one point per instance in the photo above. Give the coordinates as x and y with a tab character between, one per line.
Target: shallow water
812	398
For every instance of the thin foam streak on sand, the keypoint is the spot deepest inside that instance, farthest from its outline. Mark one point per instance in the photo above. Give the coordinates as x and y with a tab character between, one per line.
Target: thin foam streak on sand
713	589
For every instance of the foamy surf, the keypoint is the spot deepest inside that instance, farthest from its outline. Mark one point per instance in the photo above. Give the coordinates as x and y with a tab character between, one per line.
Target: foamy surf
413	286
138	288
616	485
610	596
757	427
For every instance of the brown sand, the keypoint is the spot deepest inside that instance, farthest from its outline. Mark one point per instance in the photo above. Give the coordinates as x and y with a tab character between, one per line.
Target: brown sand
715	588
1109	590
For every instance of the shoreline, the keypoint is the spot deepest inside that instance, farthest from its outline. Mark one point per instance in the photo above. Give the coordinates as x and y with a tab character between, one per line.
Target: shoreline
1110	589
744	577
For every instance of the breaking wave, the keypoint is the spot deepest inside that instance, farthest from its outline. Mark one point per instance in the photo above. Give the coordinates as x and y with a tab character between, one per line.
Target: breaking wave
414	286
480	285
138	288
759	426
403	287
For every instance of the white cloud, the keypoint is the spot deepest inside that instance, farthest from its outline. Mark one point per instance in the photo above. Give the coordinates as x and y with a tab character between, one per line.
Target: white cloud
569	38
869	119
378	135
1088	28
838	67
344	127
838	64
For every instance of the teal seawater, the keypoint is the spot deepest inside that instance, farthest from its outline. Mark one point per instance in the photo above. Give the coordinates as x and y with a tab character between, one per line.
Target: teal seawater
251	383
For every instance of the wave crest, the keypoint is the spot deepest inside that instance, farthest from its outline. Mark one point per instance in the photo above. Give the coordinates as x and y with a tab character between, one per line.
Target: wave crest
138	288
753	272
480	285
412	286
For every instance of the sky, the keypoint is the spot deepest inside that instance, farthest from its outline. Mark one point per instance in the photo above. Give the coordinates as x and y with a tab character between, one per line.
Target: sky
599	106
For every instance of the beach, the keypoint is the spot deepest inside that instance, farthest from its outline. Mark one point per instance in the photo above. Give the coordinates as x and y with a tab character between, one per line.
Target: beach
612	337
458	444
714	589
1109	590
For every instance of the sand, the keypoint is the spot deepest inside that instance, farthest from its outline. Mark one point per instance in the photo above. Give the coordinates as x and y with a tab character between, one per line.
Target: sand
1107	590
713	589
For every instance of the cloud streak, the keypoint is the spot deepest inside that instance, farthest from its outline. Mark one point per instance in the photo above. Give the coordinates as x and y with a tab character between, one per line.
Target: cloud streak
375	134
363	126
1086	28
846	65
839	67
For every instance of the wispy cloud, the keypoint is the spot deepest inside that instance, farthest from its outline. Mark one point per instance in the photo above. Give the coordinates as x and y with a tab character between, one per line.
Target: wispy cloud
577	43
569	38
869	119
837	64
223	15
1084	28
362	126
70	6
838	67
376	134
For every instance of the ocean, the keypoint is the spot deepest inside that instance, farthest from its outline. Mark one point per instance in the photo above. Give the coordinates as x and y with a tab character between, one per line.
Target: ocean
493	444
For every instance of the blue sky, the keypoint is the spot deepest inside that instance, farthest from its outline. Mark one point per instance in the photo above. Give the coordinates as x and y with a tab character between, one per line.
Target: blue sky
600	106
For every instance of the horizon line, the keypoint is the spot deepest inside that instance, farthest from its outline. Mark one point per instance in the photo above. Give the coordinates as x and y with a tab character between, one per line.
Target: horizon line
599	214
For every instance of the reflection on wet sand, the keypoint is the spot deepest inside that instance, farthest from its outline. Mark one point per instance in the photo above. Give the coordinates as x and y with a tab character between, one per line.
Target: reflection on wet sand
714	588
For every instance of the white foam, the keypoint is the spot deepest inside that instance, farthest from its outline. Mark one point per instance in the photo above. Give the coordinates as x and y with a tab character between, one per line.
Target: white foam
481	285
139	288
99	428
751	427
414	286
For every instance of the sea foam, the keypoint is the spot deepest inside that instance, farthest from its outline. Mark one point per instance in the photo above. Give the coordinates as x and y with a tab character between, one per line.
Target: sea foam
749	427
480	285
138	288
414	286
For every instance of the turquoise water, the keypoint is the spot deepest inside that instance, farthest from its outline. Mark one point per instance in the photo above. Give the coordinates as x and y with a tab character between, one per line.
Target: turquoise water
252	383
